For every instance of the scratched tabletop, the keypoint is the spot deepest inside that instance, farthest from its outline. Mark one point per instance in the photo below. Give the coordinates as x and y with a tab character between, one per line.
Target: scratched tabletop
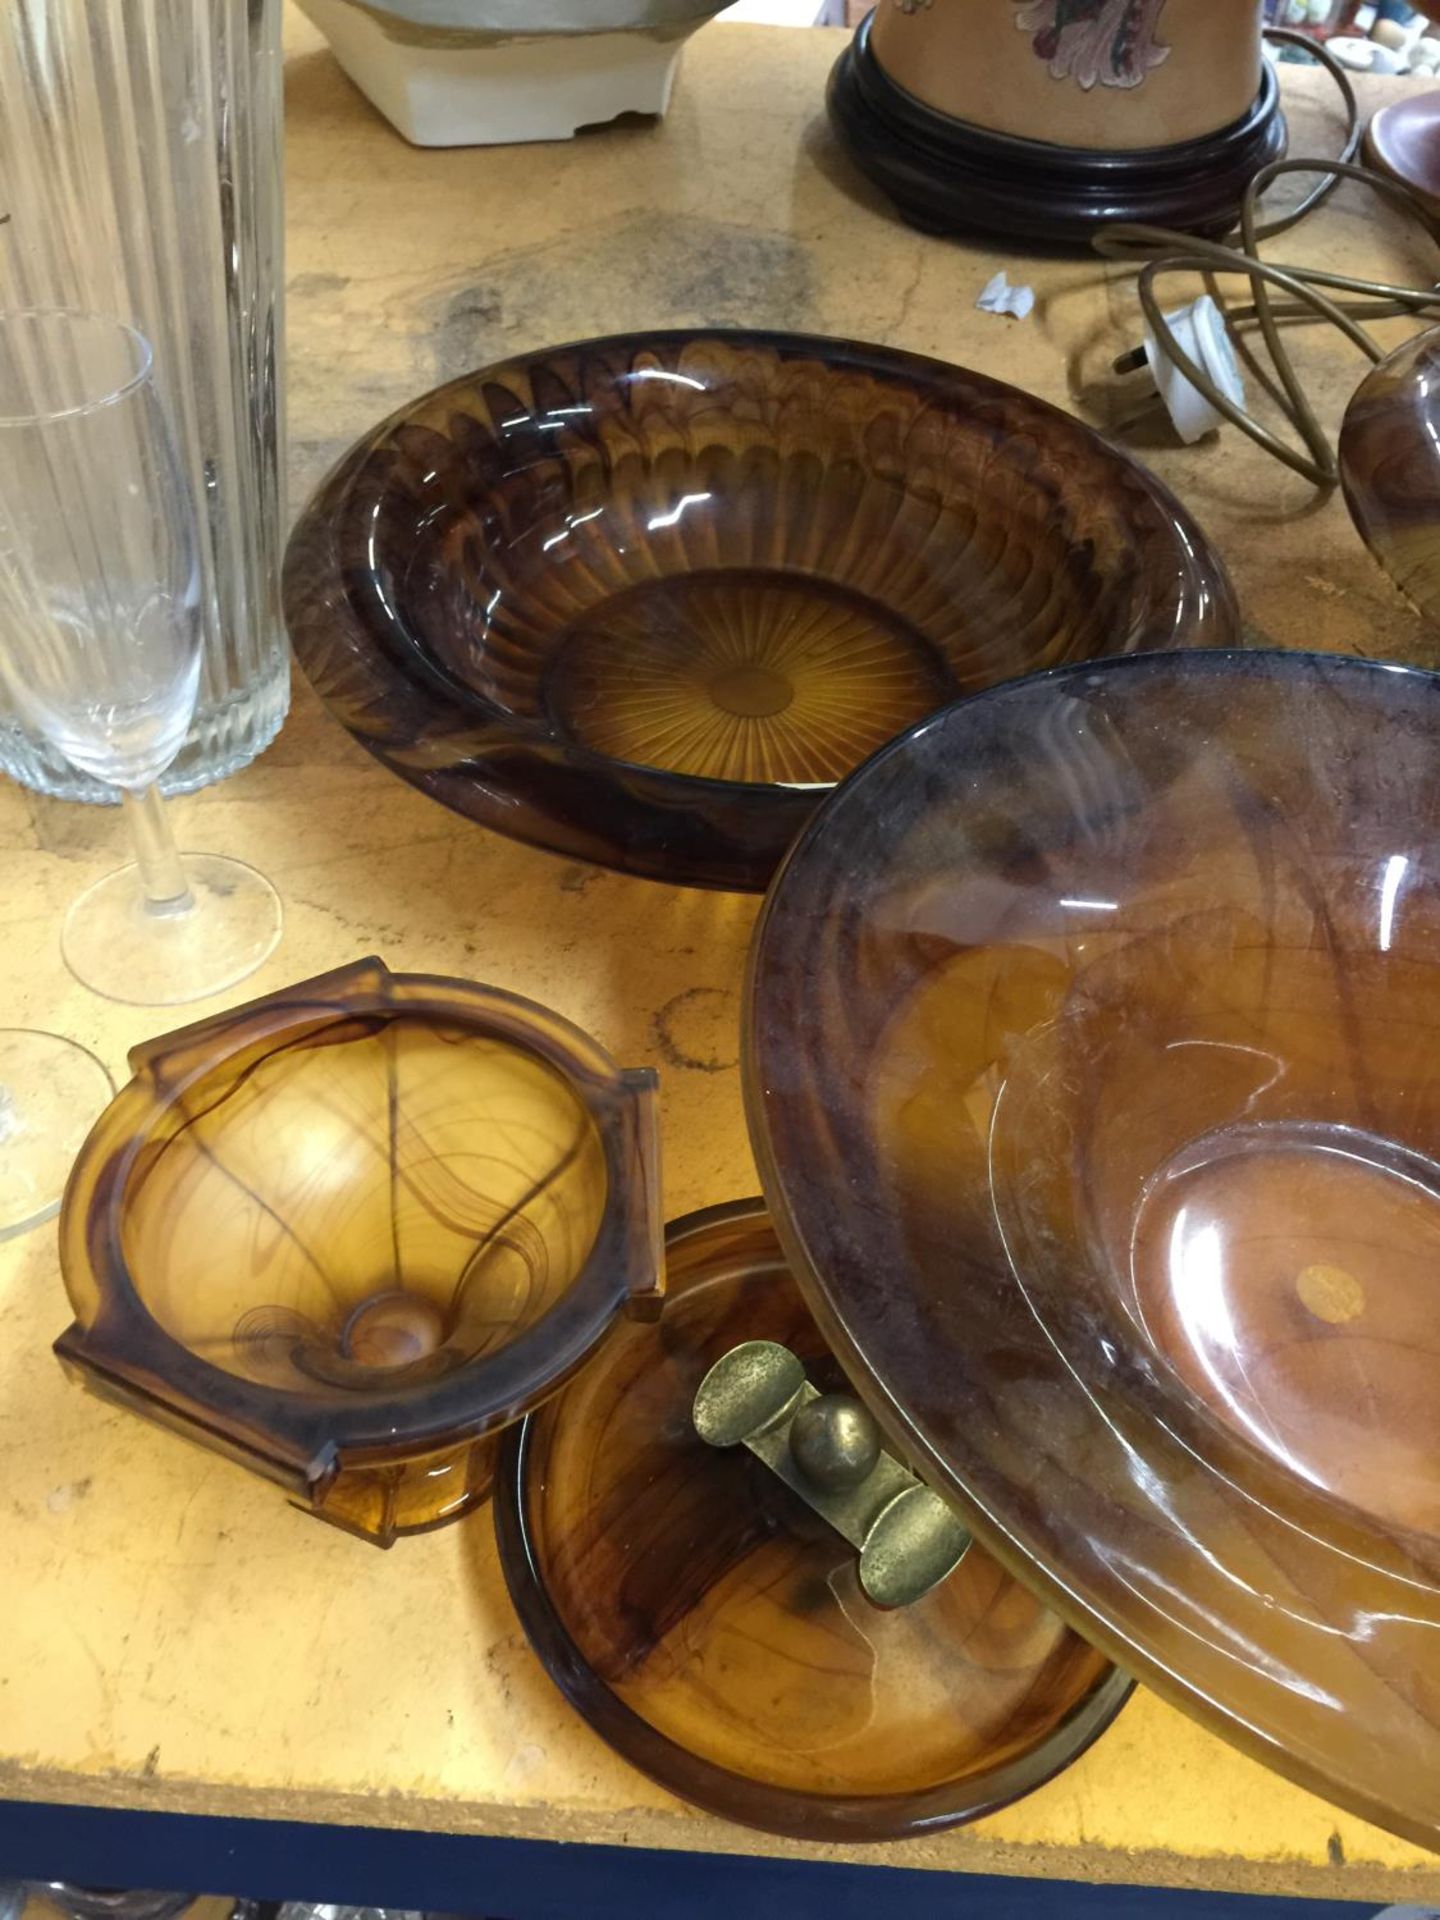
172	1634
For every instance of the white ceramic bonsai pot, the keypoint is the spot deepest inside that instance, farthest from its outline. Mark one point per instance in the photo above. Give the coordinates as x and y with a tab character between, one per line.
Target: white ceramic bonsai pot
449	73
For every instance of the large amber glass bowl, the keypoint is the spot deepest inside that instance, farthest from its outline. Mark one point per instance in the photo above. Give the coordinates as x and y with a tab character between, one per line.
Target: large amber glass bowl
642	601
349	1231
1094	1068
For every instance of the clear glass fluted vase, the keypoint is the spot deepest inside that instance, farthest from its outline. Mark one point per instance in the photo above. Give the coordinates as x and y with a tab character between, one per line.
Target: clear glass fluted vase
140	175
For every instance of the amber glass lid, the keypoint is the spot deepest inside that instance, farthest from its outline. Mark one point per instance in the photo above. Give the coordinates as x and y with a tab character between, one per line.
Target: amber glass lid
713	1629
1092	1064
1390	467
644	600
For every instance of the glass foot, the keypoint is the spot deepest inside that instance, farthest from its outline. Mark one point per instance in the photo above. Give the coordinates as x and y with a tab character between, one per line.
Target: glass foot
121	945
51	1093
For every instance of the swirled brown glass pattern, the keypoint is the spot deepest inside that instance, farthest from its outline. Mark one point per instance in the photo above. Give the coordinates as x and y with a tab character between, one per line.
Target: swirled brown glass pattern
1390	468
1091	1067
642	601
714	1630
348	1231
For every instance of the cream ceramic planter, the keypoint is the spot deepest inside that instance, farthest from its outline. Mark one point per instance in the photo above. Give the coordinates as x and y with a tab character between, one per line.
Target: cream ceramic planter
451	73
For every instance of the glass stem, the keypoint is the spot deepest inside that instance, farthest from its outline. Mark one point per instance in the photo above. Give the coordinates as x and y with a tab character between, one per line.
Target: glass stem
161	875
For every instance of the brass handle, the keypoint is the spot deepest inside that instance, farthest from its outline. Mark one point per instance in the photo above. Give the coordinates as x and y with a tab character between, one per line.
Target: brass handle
826	1447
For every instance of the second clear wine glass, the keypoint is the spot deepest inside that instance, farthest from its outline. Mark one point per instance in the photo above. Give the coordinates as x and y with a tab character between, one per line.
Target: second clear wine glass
100	636
52	1091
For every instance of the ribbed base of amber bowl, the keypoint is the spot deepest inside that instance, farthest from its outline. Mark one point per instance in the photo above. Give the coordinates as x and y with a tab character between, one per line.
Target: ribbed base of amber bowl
749	675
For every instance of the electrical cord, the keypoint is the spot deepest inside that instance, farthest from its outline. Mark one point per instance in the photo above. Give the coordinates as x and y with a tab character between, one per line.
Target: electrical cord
1161	250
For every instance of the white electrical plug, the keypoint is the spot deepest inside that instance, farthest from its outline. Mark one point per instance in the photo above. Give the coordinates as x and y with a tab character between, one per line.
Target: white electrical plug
1199	330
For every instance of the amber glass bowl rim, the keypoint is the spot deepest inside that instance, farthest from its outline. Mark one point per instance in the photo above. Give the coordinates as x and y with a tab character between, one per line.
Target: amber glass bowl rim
837	354
1174	663
717	1789
396	1421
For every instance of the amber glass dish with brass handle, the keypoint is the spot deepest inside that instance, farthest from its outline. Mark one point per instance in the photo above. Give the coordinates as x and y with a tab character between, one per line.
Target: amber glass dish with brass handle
713	1629
349	1231
642	601
1093	1066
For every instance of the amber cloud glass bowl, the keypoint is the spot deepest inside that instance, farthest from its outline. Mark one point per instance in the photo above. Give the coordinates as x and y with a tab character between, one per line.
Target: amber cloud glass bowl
643	601
1390	468
1094	1070
346	1233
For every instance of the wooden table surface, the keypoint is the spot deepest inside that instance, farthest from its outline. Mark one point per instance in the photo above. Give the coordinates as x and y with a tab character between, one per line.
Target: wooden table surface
172	1635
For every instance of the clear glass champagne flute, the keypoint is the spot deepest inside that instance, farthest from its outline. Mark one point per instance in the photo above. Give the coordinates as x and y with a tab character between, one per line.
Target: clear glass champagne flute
100	636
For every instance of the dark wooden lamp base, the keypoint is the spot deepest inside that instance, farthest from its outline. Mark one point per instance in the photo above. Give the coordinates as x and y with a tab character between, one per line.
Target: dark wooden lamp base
950	176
